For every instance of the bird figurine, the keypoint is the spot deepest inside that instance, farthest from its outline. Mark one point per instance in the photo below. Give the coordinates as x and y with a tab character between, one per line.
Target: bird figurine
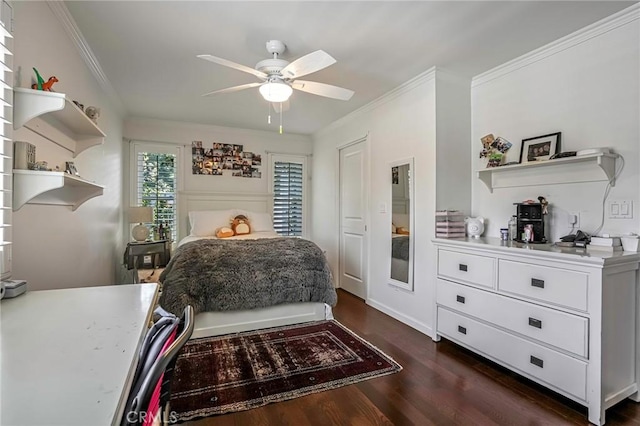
43	85
38	85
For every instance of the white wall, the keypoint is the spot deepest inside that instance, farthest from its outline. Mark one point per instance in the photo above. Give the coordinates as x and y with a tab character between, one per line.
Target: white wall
182	134
55	247
399	125
587	87
453	129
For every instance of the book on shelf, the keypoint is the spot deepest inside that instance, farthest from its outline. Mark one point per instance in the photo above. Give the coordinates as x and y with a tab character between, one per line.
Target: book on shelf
449	213
450	234
449	216
450	225
605	241
603	249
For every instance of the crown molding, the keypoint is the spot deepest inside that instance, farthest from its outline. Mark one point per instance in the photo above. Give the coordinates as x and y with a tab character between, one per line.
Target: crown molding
61	12
596	29
387	97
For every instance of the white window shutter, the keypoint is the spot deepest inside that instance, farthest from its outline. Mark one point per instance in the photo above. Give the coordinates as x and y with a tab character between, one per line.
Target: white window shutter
288	180
6	144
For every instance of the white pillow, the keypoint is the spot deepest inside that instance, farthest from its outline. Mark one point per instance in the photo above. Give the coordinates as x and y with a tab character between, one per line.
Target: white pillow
204	223
260	222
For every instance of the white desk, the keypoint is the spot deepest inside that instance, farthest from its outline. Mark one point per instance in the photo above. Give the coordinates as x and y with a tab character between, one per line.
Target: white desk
67	357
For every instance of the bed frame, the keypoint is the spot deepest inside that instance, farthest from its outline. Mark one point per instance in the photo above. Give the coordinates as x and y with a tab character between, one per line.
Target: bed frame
218	323
197	201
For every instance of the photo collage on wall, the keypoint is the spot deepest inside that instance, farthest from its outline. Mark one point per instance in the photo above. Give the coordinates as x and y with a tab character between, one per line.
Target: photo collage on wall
221	157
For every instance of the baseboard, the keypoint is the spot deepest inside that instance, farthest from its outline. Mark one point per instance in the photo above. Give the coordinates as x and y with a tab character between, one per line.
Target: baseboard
405	319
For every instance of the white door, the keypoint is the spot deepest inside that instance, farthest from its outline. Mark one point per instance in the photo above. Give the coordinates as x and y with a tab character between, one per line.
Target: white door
353	209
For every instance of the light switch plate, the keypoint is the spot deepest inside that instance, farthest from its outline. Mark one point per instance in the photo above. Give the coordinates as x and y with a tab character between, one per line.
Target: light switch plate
620	209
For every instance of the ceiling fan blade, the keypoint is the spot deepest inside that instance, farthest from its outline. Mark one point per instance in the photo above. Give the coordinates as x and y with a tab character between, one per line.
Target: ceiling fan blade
233	89
312	62
233	65
322	89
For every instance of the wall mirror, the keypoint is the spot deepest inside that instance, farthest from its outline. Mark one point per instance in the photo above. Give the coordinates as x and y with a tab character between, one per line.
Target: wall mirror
402	219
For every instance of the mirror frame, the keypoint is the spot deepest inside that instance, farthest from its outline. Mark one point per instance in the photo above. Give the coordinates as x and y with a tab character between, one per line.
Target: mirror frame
401	284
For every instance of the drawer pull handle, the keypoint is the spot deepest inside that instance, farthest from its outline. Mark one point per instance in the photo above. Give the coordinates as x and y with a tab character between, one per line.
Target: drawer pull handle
462	267
535	322
460	299
462	329
537	283
537	361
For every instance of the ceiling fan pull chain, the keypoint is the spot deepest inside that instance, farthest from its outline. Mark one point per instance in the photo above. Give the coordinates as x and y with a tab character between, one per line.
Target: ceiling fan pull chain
280	117
268	113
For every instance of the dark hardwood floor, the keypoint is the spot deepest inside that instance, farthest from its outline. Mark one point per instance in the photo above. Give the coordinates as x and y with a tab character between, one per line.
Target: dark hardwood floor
440	384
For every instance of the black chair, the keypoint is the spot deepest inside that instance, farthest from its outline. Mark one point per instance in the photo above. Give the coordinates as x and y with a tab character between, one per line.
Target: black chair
155	364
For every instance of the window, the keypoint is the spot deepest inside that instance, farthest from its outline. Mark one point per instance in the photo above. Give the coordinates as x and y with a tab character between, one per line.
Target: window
288	187
156	185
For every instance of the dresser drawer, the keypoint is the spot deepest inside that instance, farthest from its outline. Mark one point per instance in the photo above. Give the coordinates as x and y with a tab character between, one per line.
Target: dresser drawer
566	331
468	268
557	286
538	362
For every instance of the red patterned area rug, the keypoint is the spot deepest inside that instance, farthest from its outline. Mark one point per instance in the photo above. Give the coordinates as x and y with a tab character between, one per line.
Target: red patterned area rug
236	372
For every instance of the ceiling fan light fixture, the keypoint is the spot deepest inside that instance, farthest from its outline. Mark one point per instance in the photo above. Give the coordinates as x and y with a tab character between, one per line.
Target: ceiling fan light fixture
275	91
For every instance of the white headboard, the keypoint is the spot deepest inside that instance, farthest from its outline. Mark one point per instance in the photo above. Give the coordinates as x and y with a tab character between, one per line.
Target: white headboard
197	201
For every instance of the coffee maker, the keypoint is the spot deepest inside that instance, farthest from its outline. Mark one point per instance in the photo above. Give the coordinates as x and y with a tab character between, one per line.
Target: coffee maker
530	214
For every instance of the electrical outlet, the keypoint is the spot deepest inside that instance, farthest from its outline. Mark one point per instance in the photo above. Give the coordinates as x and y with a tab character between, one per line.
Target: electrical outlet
574	219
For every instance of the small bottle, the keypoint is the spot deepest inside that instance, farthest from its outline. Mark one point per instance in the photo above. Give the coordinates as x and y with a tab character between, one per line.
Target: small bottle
528	234
504	234
513	223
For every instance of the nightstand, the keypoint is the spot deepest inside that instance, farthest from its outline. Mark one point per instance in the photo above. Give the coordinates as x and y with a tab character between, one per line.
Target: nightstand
159	252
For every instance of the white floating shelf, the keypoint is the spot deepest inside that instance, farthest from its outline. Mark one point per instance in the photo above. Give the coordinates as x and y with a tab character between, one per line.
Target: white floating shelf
62	122
58	188
583	168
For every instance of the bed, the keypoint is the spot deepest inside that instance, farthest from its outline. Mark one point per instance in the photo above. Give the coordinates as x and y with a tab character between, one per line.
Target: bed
209	273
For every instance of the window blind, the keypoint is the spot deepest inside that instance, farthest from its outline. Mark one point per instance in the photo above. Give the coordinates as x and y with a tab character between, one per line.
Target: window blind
156	187
6	144
288	192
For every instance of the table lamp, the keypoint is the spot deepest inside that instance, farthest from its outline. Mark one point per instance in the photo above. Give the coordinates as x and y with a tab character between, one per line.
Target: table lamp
140	215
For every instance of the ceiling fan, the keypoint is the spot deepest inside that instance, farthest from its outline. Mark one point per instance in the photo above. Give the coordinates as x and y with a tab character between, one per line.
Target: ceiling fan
280	77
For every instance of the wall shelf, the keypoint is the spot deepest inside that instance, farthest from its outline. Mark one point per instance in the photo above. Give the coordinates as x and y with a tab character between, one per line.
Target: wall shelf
56	118
583	168
57	188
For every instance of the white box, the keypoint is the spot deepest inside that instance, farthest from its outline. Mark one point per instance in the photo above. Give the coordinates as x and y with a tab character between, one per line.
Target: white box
630	243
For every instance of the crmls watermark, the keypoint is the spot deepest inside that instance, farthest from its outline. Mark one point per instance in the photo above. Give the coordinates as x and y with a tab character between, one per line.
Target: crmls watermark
140	417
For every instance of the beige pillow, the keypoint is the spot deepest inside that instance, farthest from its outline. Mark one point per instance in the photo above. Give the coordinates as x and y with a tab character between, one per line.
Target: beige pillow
205	223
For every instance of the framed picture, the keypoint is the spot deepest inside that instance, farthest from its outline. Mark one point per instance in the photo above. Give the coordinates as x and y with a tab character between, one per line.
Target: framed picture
539	148
71	168
394	175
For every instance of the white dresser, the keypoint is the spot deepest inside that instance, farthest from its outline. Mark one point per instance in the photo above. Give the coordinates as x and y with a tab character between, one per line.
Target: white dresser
564	318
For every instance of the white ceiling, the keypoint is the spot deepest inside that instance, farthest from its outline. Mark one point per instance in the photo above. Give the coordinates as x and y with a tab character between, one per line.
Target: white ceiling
148	49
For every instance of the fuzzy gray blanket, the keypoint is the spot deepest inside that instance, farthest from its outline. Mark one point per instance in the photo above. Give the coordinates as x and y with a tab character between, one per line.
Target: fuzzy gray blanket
224	275
400	247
